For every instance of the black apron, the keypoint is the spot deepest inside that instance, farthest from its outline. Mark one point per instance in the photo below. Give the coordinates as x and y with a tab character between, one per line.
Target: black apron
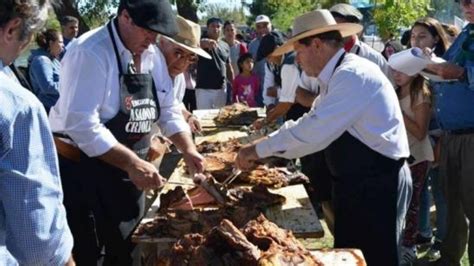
365	189
117	204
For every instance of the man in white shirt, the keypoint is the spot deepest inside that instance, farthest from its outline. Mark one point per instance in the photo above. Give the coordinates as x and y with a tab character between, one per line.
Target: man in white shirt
180	52
358	121
103	120
281	71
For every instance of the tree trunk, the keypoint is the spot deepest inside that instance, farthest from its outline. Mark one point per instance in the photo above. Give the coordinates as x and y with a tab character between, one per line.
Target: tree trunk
187	9
69	8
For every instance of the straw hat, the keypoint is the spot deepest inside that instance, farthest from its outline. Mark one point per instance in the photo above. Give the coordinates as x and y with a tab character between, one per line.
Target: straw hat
188	37
316	22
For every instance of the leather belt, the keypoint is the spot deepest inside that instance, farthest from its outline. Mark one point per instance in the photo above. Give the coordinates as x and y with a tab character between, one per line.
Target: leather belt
67	150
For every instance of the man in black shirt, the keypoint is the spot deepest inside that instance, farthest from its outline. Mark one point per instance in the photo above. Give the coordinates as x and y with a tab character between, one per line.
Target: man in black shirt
212	74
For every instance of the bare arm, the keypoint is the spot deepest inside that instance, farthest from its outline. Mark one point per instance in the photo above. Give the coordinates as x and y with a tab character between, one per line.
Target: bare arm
278	111
418	127
193	159
230	71
304	97
192	120
142	173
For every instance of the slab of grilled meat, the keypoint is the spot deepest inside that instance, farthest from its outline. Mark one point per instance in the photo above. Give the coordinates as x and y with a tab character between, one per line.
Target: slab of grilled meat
227	245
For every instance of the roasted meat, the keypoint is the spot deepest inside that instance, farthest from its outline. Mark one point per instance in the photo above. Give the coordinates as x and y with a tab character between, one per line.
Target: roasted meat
258	196
242	205
230	246
231	145
236	114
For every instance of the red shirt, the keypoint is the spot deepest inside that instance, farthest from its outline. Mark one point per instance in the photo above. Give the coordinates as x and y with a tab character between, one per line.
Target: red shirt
245	89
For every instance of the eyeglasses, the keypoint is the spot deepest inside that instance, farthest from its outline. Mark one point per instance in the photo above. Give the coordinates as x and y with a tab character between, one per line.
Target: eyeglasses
182	55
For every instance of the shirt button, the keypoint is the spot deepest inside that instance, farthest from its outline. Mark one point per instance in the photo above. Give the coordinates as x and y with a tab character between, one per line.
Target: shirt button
438	110
440	94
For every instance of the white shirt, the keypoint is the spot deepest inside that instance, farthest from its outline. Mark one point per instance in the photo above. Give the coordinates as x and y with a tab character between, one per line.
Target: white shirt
356	98
268	82
309	83
364	50
179	87
89	91
290	78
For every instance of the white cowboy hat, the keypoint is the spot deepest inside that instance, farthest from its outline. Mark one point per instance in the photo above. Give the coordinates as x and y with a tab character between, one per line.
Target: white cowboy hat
316	22
188	37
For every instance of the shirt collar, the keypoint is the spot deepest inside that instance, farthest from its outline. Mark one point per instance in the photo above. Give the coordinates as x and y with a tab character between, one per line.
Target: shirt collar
123	51
328	70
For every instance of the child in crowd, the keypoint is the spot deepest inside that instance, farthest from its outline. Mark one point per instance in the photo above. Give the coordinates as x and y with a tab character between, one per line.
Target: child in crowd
246	84
429	33
414	98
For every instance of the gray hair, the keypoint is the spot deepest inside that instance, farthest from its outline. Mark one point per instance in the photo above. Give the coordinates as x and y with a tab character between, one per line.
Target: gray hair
33	14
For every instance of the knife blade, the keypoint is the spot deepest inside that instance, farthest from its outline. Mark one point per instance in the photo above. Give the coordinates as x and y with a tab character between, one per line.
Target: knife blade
212	190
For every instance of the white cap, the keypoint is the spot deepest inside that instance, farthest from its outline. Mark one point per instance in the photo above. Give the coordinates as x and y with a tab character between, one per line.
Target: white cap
262	18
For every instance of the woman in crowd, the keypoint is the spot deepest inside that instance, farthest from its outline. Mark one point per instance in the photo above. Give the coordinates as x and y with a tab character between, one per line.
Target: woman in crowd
414	98
429	33
44	67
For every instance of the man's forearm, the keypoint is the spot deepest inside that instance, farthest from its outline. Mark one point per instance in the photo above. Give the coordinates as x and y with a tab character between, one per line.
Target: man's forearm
304	97
120	157
183	141
279	110
230	72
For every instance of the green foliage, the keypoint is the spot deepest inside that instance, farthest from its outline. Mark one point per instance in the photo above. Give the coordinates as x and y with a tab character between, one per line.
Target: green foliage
96	13
281	12
52	22
215	10
396	15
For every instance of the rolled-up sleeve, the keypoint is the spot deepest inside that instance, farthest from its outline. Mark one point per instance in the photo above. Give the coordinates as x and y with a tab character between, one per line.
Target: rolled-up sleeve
31	209
171	119
83	92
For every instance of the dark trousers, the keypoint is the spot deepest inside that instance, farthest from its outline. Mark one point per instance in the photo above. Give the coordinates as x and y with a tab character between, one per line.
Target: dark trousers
367	188
102	210
456	171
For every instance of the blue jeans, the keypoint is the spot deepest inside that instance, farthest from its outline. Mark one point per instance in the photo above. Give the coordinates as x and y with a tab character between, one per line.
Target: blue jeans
424	225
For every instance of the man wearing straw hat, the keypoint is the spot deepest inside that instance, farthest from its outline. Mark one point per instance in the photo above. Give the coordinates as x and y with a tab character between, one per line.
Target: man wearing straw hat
359	124
180	52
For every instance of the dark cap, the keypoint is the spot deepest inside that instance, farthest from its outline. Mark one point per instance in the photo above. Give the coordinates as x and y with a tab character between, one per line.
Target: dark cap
154	15
214	19
347	12
269	43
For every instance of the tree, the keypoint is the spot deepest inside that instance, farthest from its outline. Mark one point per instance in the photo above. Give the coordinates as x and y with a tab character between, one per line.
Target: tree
214	10
187	8
393	16
282	12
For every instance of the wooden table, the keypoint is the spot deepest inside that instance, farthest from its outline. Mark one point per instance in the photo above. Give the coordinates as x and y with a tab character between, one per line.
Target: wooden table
297	214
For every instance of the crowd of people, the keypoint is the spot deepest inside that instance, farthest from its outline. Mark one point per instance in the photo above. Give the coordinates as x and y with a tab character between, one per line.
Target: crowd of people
84	127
